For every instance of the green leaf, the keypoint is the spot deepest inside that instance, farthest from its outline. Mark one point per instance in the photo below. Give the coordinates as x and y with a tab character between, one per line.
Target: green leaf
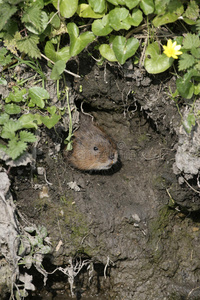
38	95
124	48
67	8
58	69
137	17
3	81
184	85
86	11
197	89
98	6
17	96
101	27
50	122
16	148
107	52
186	61
10	128
55	20
12	109
28	45
44	249
32	16
44	22
78	42
189	122
131	3
30	120
147	6
160	6
195	52
4	118
192	11
62	54
173	11
27	136
114	2
191	41
5	58
154	61
118	18
6	11
52	109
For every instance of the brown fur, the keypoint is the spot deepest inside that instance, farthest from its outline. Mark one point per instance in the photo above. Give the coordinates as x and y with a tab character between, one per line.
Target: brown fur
93	149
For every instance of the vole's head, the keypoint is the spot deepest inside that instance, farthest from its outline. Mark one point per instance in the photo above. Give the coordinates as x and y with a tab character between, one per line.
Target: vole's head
92	148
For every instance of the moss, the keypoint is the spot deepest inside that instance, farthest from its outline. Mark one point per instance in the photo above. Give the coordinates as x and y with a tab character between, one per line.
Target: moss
158	228
143	138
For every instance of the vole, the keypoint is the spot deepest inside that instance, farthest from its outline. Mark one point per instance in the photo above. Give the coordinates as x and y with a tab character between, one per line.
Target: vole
93	149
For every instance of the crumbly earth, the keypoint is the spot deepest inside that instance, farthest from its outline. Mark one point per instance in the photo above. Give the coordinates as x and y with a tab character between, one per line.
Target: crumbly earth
135	223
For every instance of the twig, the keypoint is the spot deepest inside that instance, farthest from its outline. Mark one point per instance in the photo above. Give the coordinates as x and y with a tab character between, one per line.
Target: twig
66	71
191	186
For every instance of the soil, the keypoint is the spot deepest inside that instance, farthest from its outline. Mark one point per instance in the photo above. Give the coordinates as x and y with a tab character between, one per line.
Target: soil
136	224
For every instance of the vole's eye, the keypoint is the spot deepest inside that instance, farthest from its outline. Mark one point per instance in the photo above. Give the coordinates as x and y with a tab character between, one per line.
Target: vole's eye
95	148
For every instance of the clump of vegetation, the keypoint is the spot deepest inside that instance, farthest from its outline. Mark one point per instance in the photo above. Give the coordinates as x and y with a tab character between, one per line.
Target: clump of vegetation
60	30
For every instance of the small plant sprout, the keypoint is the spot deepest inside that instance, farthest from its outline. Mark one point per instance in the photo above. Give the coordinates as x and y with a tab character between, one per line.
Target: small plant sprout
172	49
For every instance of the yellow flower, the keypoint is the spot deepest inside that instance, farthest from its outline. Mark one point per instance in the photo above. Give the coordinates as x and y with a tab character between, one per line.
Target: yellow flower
172	50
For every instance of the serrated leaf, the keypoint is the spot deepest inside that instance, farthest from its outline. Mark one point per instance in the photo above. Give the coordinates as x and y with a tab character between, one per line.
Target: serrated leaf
101	27
44	23
6	11
12	109
16	148
185	62
55	56
4	118
58	69
191	41
28	45
32	15
50	122
11	43
67	8
107	52
78	42
17	96
124	48
154	61
9	129
38	95
4	57
195	52
192	11
98	5
27	136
